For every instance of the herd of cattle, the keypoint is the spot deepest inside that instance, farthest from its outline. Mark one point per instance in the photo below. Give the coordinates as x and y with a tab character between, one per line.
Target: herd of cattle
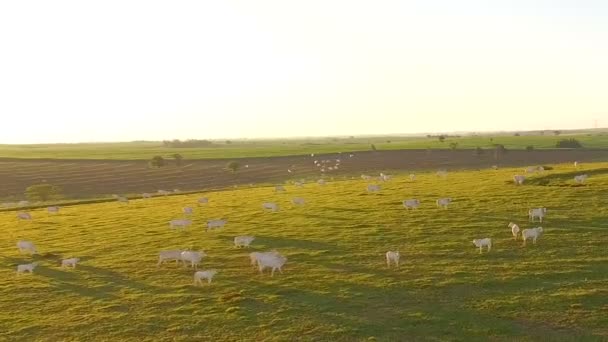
272	259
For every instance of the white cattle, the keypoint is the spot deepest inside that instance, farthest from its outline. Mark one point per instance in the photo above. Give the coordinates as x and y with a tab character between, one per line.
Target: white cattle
253	257
26	247
115	196
576	164
514	229
163	192
24	216
169	255
412	177
298	184
487	242
200	275
384	177
580	179
298	201
279	188
213	224
274	261
243	240
54	209
23	203
495	167
411	204
179	223
146	195
373	188
26	268
442	173
533	233
444	202
366	177
188	210
321	182
519	179
270	206
203	200
176	191
123	199
69	262
392	257
537	212
193	257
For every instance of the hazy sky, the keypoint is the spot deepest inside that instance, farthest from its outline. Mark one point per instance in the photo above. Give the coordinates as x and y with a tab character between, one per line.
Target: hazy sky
128	70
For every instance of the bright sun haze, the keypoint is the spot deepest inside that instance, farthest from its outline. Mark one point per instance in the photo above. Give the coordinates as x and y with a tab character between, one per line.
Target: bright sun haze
75	71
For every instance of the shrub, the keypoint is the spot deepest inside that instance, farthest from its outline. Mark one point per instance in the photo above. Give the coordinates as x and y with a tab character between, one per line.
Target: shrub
233	166
529	148
373	147
188	143
453	145
568	143
43	192
157	161
441	138
479	151
178	159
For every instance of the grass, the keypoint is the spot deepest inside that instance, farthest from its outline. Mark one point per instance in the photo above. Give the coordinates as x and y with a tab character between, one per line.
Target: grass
335	285
273	148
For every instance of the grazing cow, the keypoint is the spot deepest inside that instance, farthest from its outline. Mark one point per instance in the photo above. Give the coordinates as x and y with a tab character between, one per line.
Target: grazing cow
384	177
169	255
442	173
373	188
392	257
26	247
179	223
366	177
444	202
52	210
164	192
193	257
519	179
495	167
274	261
123	199
298	201
412	177
200	275
24	216
533	233
279	188
146	195
69	262
243	241
23	203
298	184
321	182
576	164
514	229
487	242
214	224
580	179
176	191
203	200
537	212
188	210
411	204
253	257
270	206
26	268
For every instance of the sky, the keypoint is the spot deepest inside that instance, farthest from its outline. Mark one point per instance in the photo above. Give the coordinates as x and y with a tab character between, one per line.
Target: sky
83	71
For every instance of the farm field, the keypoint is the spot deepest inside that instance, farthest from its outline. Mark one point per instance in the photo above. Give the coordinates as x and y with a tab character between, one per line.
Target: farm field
272	148
81	179
335	285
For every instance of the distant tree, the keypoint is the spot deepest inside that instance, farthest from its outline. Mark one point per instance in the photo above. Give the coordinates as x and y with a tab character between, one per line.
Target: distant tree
441	138
516	134
43	192
529	148
568	143
542	132
233	166
178	159
157	161
176	143
499	151
453	145
373	147
557	132
228	142
479	151
428	136
388	141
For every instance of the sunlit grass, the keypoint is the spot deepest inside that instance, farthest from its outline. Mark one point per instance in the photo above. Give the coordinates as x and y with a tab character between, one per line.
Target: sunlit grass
335	285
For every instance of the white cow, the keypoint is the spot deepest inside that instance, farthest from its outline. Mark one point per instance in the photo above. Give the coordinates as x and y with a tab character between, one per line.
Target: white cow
188	210
298	201
243	240
123	199
213	224
54	209
203	200
270	206
253	257
537	212
411	204
392	257
365	177
23	203
412	177
519	179
69	262
164	192
193	257
146	195
26	247
273	261
444	202
442	173
321	182
169	255
373	188
514	229
179	223
385	177
26	268
298	184
533	233
279	188
200	275
487	242
24	216
576	164
580	179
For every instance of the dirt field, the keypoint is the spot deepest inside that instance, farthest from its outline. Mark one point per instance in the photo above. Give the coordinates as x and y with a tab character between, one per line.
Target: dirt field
92	178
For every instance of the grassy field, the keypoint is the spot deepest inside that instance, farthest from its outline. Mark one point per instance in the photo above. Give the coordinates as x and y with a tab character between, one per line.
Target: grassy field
273	148
335	285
